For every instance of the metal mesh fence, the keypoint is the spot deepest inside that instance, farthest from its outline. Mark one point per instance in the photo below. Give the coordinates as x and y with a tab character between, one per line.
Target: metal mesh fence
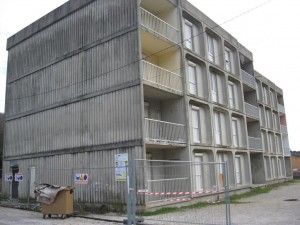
160	192
170	192
96	189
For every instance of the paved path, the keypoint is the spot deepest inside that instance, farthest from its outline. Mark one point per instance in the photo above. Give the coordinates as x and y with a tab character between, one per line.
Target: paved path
10	216
264	209
270	208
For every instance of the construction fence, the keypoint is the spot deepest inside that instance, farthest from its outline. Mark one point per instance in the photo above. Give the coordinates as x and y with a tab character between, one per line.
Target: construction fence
153	191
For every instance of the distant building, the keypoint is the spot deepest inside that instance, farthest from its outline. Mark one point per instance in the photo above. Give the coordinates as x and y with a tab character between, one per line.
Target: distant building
156	79
295	158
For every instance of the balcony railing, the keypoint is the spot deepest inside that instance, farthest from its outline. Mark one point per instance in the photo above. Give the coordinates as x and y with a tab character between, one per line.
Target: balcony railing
160	76
158	26
255	143
164	132
248	79
281	108
252	110
283	129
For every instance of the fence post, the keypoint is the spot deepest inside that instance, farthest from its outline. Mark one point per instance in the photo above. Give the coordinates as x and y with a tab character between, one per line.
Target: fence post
28	185
130	193
227	194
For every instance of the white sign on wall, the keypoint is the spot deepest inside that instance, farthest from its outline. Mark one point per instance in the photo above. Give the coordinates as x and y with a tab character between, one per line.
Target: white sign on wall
8	177
19	177
121	163
81	178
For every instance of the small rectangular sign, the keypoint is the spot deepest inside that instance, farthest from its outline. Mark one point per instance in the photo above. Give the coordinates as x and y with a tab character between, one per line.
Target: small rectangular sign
121	163
8	177
81	178
19	177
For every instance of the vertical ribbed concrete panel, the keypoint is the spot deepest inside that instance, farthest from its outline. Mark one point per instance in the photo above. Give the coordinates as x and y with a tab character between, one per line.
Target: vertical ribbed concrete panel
105	119
96	21
100	68
102	187
73	84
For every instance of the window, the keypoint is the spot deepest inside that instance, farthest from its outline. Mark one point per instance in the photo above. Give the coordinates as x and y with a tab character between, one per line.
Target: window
195	124
238	169
192	78
198	172
222	157
273	166
265	94
268	118
277	144
148	170
231	95
217	128
271	143
235	133
188	34
271	99
214	87
227	59
210	46
146	109
279	168
274	121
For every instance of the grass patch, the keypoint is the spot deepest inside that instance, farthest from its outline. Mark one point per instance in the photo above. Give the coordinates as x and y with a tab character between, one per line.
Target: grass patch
253	192
161	211
178	209
2	196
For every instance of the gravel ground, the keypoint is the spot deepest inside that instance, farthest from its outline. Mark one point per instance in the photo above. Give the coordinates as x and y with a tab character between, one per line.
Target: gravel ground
264	209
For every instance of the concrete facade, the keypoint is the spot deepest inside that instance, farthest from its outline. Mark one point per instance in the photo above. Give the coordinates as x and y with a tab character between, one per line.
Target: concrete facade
156	79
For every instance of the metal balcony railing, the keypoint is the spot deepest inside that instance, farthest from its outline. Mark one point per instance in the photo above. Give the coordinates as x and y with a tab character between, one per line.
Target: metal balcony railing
160	76
283	129
251	110
255	143
158	26
164	132
281	108
248	79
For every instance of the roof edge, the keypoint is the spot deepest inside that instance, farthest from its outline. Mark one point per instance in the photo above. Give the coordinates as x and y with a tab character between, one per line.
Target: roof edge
45	21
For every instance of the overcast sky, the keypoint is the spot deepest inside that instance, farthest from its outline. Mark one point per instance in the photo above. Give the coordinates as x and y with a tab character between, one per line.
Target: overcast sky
268	28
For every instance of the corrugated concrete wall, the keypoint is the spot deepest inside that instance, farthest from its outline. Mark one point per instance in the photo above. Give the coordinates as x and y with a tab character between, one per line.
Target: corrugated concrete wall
92	72
102	187
106	119
74	86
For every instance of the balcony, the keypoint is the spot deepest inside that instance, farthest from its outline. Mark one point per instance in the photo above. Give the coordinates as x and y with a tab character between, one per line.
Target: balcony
159	27
164	133
283	129
252	110
248	79
161	77
255	143
281	108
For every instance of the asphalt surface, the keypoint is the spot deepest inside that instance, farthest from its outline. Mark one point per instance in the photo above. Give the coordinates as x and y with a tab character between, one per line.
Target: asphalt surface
264	209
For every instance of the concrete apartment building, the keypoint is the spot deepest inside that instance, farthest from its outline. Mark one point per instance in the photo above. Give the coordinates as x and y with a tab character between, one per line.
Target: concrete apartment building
156	79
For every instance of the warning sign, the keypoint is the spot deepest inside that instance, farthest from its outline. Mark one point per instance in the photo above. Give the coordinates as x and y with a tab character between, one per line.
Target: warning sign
19	177
8	177
81	178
